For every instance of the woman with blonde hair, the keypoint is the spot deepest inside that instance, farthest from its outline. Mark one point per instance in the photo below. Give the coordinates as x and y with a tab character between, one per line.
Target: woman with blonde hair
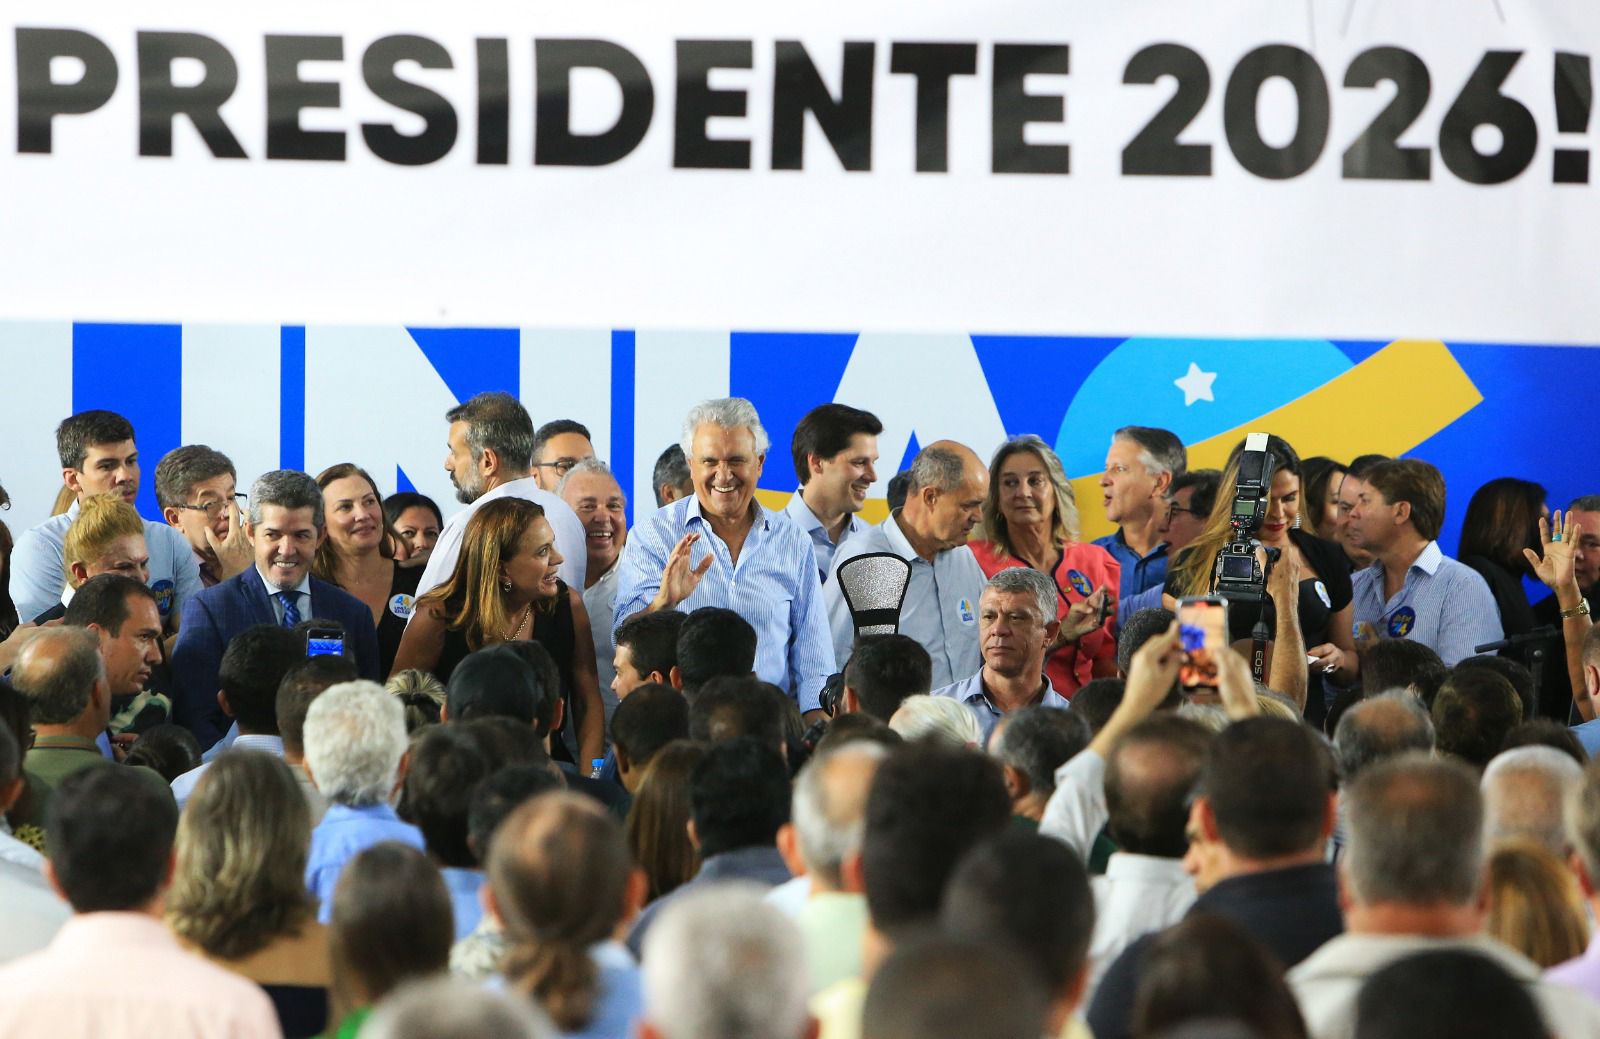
504	588
562	883
1535	905
1030	519
1320	600
421	694
658	821
358	554
107	537
238	895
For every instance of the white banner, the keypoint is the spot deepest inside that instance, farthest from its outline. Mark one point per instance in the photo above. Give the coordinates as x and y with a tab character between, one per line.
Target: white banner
1264	168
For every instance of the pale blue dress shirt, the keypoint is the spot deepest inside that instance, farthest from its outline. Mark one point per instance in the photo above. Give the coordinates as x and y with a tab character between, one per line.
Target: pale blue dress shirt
821	543
344	833
39	574
941	604
1450	606
774	586
972	693
463	885
183	786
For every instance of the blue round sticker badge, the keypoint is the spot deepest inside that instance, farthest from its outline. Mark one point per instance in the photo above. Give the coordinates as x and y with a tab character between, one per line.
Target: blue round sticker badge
401	605
163	591
1402	621
1080	584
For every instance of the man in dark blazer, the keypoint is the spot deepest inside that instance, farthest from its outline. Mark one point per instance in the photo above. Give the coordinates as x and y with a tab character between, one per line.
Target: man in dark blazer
285	527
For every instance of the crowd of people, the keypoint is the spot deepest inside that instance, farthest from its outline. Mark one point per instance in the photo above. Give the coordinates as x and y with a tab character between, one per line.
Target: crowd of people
309	761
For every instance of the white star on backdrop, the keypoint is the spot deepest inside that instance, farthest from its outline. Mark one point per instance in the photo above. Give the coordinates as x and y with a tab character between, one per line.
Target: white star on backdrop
1195	384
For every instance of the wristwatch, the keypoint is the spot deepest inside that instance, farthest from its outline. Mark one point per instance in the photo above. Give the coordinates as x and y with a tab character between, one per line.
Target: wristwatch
1580	610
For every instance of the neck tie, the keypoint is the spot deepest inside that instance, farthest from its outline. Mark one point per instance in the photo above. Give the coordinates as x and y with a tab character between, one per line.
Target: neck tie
291	608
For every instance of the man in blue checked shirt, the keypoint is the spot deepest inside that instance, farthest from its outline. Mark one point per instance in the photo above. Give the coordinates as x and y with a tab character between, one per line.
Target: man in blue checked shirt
721	548
1413	590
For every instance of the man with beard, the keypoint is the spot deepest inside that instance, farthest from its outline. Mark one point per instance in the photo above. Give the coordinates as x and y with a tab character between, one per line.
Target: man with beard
491	456
594	494
835	451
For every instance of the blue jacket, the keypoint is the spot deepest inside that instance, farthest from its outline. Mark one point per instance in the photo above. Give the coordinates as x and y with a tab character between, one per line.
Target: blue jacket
217	614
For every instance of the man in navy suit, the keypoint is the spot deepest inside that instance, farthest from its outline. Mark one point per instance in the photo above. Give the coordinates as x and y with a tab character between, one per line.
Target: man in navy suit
284	526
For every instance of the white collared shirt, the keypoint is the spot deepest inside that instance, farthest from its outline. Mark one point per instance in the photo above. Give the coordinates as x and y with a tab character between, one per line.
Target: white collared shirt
1138	894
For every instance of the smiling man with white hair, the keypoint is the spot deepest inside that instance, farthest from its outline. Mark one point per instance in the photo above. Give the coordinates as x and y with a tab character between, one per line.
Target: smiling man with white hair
355	753
722	964
720	547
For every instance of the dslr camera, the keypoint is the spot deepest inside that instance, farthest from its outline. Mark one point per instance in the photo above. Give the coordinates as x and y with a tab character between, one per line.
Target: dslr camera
1240	575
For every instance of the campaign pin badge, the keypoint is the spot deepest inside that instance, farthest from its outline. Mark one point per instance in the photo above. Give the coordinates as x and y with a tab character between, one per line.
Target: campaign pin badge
401	605
964	607
1401	623
163	591
1080	584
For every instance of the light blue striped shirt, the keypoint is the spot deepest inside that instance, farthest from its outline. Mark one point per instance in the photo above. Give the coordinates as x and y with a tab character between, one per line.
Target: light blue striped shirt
38	573
1444	605
774	586
821	543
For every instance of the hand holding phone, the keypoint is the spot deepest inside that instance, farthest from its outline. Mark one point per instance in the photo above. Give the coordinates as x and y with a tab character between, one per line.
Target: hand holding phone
1203	635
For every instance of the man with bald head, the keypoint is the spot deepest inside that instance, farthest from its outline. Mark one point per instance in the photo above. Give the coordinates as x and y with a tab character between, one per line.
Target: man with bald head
943	504
63	675
1377	728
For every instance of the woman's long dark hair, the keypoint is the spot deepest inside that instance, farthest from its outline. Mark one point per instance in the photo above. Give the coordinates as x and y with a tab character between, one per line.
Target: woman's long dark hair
1503	519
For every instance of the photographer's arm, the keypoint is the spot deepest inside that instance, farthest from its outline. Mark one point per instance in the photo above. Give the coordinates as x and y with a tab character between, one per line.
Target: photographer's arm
1288	672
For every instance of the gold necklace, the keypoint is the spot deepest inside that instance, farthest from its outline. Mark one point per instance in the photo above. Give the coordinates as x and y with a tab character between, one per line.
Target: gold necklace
527	615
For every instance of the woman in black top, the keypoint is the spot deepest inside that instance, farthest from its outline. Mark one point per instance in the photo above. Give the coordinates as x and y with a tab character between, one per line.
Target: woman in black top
358	555
1325	594
505	588
1503	519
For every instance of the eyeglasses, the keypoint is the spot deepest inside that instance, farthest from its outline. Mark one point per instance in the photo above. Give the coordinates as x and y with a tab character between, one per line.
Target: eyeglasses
213	509
561	465
1173	510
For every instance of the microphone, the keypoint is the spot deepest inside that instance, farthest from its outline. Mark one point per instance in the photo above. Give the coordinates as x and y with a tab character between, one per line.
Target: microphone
874	588
1544	634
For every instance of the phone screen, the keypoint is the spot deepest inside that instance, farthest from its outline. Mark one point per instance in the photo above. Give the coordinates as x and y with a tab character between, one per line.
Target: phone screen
1203	631
324	644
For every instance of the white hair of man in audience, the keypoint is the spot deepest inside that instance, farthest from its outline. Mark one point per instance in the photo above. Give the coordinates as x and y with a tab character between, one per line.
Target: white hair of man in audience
1524	790
720	963
1211	715
446	1006
729	413
937	718
355	743
828	811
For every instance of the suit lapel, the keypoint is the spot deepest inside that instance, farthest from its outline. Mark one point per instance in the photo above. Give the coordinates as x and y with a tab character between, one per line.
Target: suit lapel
255	596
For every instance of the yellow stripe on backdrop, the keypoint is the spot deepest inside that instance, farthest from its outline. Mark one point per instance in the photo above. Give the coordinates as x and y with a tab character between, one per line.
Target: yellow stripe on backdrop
1387	404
